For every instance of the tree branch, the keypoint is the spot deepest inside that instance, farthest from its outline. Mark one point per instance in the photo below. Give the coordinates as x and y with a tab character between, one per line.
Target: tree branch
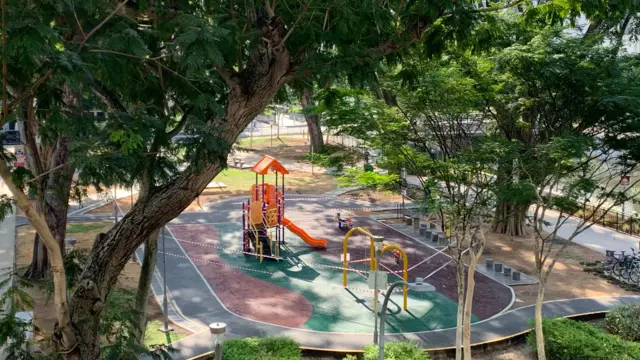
504	7
293	27
95	29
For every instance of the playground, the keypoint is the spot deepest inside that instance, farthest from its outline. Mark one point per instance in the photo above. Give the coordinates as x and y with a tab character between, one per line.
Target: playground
279	259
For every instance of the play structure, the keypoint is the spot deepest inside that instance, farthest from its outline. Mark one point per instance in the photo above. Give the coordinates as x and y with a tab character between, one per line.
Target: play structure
263	220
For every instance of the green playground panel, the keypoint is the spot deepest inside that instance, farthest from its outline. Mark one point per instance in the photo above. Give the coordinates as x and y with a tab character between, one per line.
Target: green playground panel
337	309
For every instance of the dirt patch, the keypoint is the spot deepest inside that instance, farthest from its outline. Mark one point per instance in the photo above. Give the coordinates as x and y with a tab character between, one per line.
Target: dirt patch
242	294
373	196
567	280
287	148
43	311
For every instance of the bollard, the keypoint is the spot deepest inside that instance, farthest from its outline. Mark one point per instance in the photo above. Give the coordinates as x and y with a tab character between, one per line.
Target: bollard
432	225
416	223
497	267
434	236
428	234
442	240
507	271
423	229
515	275
409	221
489	263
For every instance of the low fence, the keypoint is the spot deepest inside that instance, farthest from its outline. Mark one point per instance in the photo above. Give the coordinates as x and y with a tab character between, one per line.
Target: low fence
629	224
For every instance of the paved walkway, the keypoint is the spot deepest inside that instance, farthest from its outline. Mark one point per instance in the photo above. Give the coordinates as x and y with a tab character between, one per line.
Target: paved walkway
598	238
7	248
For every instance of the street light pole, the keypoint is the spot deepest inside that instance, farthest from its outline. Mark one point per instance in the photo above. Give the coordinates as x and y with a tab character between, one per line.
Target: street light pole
165	300
115	204
418	286
377	245
403	180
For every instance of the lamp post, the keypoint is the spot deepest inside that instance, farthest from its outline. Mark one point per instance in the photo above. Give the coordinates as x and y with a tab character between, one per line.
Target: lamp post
165	301
403	180
418	286
217	331
378	244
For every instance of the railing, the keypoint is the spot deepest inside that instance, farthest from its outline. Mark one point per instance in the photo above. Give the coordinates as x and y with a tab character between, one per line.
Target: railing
628	224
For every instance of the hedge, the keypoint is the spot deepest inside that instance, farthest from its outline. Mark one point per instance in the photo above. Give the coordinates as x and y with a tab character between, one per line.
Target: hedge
275	348
571	340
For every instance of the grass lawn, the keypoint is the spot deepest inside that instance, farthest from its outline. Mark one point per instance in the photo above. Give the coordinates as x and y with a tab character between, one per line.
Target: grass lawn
153	336
82	228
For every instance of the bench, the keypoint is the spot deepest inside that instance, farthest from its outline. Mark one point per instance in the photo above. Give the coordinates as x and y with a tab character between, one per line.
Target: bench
237	162
216	185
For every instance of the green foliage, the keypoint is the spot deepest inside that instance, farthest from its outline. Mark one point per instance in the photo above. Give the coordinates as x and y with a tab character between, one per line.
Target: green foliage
624	321
571	340
16	334
118	325
261	348
368	168
350	357
326	161
399	350
369	180
74	264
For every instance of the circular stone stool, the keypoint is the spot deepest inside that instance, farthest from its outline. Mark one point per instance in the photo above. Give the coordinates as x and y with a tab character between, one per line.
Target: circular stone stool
497	267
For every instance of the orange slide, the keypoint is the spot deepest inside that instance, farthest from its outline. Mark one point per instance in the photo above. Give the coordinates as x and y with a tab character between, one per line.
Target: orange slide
318	243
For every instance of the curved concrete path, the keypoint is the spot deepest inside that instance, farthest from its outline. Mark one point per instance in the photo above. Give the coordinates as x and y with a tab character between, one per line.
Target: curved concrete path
501	327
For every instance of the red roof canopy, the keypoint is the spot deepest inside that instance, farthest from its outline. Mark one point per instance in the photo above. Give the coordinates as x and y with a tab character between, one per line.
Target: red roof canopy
267	163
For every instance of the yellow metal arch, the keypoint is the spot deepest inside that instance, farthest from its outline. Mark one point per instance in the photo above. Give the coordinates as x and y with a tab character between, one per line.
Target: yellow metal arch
405	272
344	252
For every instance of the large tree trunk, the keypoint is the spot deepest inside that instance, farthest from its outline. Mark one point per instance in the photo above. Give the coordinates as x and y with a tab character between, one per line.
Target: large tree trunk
39	267
313	122
55	206
249	93
538	326
62	334
144	283
509	218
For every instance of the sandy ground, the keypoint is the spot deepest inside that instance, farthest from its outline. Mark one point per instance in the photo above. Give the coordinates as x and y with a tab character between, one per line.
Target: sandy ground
567	280
44	314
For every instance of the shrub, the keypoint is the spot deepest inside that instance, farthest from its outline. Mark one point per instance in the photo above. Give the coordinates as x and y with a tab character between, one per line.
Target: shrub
369	180
261	349
571	340
624	321
399	350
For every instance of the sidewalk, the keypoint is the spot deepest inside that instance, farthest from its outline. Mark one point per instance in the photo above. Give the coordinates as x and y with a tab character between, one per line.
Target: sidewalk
597	238
7	248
